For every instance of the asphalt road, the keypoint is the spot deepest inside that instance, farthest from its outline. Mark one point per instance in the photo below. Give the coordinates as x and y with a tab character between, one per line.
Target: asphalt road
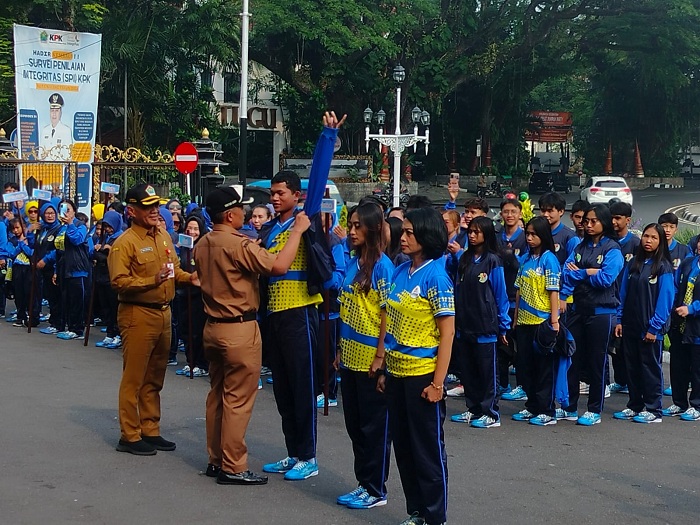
58	463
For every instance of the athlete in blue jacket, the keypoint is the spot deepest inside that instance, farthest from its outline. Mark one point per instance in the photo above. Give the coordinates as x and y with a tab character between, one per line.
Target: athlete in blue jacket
481	320
590	275
646	298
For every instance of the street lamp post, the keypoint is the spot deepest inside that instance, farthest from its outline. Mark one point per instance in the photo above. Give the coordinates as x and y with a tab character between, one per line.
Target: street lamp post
398	142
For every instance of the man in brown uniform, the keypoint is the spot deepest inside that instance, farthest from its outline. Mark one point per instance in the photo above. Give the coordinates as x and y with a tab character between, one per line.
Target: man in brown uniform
143	269
229	264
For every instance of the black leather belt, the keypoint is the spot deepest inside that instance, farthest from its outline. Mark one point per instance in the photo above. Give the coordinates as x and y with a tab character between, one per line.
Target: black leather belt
151	306
249	316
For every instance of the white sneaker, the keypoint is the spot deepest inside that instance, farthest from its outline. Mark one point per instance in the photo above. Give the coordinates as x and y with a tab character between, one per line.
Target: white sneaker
583	388
457	391
607	391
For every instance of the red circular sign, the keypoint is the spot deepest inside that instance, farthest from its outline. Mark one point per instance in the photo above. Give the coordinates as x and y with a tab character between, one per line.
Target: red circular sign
186	158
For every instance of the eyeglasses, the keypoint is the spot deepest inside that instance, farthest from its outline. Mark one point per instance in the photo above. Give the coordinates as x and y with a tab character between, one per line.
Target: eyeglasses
590	221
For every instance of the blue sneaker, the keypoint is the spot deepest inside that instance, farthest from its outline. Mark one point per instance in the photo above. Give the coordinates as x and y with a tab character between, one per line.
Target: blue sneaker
673	410
103	330
464	417
260	384
617	388
647	417
523	415
281	466
184	371
49	330
504	390
106	341
626	415
543	420
566	416
302	470
366	501
486	422
268	380
68	335
668	391
43	318
692	414
588	419
516	394
350	496
321	398
116	343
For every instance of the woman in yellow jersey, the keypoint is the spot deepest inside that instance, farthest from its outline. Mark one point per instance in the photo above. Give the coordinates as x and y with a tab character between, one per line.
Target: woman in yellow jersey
362	330
420	329
536	302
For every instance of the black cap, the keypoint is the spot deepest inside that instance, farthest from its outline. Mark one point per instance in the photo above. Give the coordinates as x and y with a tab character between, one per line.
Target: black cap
55	100
143	195
224	198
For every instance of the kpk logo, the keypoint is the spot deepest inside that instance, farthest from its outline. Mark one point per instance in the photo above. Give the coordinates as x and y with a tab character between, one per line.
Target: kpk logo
71	39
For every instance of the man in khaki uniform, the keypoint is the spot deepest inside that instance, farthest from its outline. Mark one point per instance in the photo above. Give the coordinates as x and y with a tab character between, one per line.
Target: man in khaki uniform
229	264
143	269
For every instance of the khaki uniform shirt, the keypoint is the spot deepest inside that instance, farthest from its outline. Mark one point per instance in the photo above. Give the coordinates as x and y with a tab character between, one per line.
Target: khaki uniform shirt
134	260
228	265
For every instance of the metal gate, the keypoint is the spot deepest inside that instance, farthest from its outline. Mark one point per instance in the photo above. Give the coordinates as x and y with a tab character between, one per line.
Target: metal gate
132	166
58	176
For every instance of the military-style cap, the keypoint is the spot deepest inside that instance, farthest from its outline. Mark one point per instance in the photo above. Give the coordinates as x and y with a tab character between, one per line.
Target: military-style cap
142	195
55	101
224	198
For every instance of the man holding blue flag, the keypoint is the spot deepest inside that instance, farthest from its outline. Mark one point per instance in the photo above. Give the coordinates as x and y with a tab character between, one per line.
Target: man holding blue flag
292	307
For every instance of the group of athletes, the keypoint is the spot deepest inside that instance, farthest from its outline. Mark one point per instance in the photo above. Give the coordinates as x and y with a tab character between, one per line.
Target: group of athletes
413	299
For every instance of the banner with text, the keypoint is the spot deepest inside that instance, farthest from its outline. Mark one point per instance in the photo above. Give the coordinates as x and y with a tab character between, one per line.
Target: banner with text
57	78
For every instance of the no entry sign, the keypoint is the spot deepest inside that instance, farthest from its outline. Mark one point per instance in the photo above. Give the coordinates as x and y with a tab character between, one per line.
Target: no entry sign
186	158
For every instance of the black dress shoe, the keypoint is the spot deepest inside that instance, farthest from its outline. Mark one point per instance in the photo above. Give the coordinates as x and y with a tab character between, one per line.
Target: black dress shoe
138	448
242	478
159	443
212	471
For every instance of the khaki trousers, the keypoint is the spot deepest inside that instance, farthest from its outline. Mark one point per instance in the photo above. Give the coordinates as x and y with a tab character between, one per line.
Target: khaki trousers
234	351
146	343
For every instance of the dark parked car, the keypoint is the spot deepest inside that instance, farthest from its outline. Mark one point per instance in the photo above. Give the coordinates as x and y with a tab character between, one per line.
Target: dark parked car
544	182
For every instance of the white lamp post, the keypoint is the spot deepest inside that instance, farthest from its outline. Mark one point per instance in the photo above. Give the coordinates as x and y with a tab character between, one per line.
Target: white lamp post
398	142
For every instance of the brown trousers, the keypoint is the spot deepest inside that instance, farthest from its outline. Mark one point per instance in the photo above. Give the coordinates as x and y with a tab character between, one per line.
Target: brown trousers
146	344
234	352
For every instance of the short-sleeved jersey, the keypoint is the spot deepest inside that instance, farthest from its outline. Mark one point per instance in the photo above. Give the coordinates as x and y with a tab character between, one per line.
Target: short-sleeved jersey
537	277
289	290
415	300
360	314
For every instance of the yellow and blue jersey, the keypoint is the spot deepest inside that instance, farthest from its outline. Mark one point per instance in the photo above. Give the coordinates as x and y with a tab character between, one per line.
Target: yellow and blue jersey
289	290
415	300
538	276
360	314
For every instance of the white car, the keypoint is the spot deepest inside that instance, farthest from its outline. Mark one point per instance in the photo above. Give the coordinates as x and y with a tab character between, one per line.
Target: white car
600	190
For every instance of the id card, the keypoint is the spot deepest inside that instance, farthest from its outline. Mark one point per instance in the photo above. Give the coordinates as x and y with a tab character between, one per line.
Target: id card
171	271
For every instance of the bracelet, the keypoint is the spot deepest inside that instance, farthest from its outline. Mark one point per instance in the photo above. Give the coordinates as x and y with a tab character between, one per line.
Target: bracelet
436	387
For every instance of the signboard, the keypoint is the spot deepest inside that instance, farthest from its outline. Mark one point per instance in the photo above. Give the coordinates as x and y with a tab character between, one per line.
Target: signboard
186	158
328	206
42	195
185	241
107	187
557	119
57	81
15	196
549	135
550	126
